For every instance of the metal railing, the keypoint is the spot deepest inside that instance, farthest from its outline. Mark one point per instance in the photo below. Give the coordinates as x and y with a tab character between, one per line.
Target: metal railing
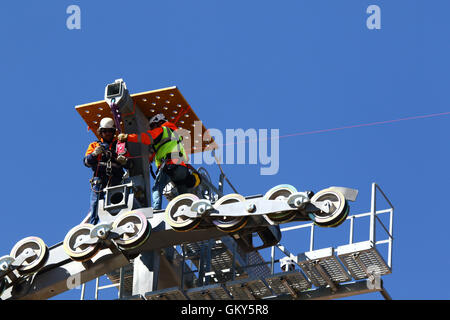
373	214
98	288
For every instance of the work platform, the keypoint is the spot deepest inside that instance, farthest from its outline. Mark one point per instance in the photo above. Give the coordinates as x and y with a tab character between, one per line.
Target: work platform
221	271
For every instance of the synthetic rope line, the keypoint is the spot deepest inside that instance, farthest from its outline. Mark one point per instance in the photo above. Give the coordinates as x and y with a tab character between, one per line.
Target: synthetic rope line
339	128
346	127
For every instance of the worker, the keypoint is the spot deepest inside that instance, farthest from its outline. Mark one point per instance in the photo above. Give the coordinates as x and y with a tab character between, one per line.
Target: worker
169	155
107	165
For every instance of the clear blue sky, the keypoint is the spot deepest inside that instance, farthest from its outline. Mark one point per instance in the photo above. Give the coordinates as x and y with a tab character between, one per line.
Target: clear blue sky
298	66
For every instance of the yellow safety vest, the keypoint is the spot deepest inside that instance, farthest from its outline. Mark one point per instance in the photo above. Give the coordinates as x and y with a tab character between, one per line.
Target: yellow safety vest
170	144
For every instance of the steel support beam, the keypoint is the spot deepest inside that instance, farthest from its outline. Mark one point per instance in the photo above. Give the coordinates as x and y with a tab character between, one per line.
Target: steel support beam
68	275
146	272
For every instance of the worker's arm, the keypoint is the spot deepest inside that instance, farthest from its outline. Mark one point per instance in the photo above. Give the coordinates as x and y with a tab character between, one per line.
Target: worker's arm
145	136
91	157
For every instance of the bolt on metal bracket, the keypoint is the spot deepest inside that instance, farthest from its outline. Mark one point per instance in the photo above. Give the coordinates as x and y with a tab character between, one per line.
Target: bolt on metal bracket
200	207
298	200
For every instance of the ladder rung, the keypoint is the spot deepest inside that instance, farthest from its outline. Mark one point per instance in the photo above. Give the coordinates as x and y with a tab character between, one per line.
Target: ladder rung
109	286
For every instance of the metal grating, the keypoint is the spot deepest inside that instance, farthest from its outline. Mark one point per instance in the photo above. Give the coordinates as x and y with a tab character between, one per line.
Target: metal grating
248	289
193	249
295	280
211	292
326	259
166	294
168	101
221	257
361	259
262	270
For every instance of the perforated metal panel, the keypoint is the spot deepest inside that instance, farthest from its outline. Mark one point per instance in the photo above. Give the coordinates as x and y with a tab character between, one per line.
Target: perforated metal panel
361	259
262	270
211	292
221	258
168	101
295	280
166	294
248	289
329	264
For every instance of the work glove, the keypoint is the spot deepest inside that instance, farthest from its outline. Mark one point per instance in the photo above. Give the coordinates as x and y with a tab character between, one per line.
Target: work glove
122	137
98	151
122	160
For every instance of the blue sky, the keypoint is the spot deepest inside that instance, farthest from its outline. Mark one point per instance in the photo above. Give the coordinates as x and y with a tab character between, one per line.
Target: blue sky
293	65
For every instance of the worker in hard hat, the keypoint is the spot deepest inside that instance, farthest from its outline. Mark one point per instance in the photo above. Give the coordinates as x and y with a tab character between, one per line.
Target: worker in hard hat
169	155
107	163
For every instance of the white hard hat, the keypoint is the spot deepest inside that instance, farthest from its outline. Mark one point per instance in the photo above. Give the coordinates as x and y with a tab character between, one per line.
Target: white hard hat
107	123
156	119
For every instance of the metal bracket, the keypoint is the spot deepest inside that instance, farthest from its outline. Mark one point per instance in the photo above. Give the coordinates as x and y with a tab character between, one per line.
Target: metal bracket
254	207
185	211
84	239
312	207
101	231
27	253
200	207
104	232
298	200
117	232
349	194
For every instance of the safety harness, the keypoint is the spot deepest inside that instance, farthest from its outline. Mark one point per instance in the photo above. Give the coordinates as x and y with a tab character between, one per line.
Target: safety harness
108	166
172	136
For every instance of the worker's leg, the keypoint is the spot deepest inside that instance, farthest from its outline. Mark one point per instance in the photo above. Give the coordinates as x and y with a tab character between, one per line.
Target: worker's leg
178	175
95	196
160	182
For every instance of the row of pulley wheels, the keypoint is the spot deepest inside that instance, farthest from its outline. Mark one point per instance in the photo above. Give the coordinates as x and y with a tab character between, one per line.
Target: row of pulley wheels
140	228
37	251
139	232
184	223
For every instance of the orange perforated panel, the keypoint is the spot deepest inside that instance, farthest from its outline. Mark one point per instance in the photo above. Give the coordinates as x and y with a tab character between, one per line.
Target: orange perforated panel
168	101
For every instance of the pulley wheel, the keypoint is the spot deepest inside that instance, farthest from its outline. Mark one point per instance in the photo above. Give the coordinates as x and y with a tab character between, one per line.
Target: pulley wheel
85	251
339	208
140	229
178	205
5	263
230	224
37	261
281	193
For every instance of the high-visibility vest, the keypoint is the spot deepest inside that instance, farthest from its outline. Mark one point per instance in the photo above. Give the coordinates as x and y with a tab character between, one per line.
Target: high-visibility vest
169	145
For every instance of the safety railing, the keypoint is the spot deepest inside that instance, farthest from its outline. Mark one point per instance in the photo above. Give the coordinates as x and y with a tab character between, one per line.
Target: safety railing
373	214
